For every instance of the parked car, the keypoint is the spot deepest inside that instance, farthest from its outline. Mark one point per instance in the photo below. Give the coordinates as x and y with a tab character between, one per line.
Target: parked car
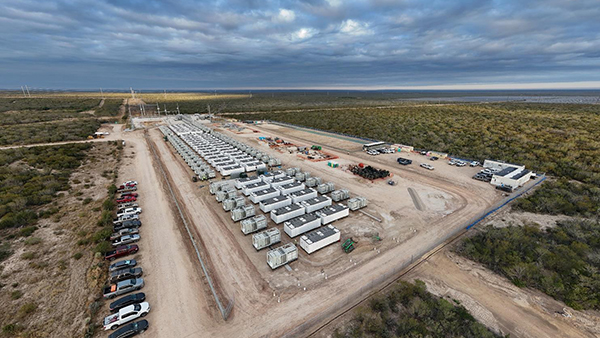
126	315
404	161
506	188
122	287
474	163
125	188
130	183
135	210
427	166
130	330
434	158
120	252
123	218
123	232
126	301
127	199
129	263
372	152
127	205
127	239
129	194
128	224
123	274
460	164
423	152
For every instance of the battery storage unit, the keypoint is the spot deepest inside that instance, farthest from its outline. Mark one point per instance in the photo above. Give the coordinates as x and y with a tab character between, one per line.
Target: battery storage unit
279	181
301	224
247	190
303	195
275	203
282	255
290	188
314	204
242	182
332	213
266	238
319	238
264	194
288	212
270	175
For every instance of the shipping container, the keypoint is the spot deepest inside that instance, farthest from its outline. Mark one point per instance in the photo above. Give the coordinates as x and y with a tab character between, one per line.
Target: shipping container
325	188
266	238
332	213
282	255
319	238
264	194
303	195
253	224
302	176
270	175
288	212
232	170
314	204
275	203
301	224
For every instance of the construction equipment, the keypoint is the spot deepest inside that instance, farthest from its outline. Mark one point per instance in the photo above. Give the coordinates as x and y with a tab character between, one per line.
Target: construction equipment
391	182
348	245
315	147
194	179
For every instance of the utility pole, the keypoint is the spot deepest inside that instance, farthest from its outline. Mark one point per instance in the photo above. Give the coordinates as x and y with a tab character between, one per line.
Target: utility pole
178	109
23	90
158	108
132	93
28	93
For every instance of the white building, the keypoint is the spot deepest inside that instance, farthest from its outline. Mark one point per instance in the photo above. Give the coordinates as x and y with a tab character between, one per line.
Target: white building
509	175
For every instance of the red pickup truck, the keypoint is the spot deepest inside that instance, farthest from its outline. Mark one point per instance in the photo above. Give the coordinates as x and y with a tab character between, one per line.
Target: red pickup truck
126	199
120	252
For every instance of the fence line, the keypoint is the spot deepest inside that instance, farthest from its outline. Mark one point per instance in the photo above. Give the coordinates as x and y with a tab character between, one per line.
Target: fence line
225	311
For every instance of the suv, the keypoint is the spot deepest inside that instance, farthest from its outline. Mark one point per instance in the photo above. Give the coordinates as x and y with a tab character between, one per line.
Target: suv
127	239
130	330
129	263
404	161
128	224
127	199
120	252
123	232
427	166
126	301
119	275
127	205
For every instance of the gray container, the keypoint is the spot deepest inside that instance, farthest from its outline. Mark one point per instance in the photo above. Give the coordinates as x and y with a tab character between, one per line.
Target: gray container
266	238
340	195
313	181
243	212
253	224
325	188
357	203
232	203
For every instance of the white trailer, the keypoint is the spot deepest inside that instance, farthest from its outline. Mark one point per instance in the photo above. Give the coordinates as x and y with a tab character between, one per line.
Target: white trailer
264	194
242	182
332	213
242	212
357	203
340	195
301	224
250	188
275	203
288	212
314	204
266	238
303	195
319	238
282	255
253	224
287	189
283	180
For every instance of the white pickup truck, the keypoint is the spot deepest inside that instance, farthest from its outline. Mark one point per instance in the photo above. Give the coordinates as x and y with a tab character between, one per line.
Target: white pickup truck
125	315
129	211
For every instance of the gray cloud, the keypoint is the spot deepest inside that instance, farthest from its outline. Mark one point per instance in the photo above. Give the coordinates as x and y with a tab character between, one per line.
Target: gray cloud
315	43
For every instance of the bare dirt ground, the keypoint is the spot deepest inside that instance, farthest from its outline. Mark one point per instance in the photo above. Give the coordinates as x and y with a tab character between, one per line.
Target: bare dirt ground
499	304
266	303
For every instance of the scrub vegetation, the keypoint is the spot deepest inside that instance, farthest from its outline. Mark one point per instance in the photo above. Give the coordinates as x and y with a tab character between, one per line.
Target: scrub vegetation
408	310
562	262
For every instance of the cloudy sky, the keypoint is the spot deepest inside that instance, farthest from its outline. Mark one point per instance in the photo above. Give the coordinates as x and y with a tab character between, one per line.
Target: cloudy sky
299	44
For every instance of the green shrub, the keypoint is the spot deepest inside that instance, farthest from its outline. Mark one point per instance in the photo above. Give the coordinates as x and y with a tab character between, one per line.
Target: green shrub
108	204
12	328
103	247
33	241
77	255
5	251
27	309
28	255
27	231
87	200
16	294
102	235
